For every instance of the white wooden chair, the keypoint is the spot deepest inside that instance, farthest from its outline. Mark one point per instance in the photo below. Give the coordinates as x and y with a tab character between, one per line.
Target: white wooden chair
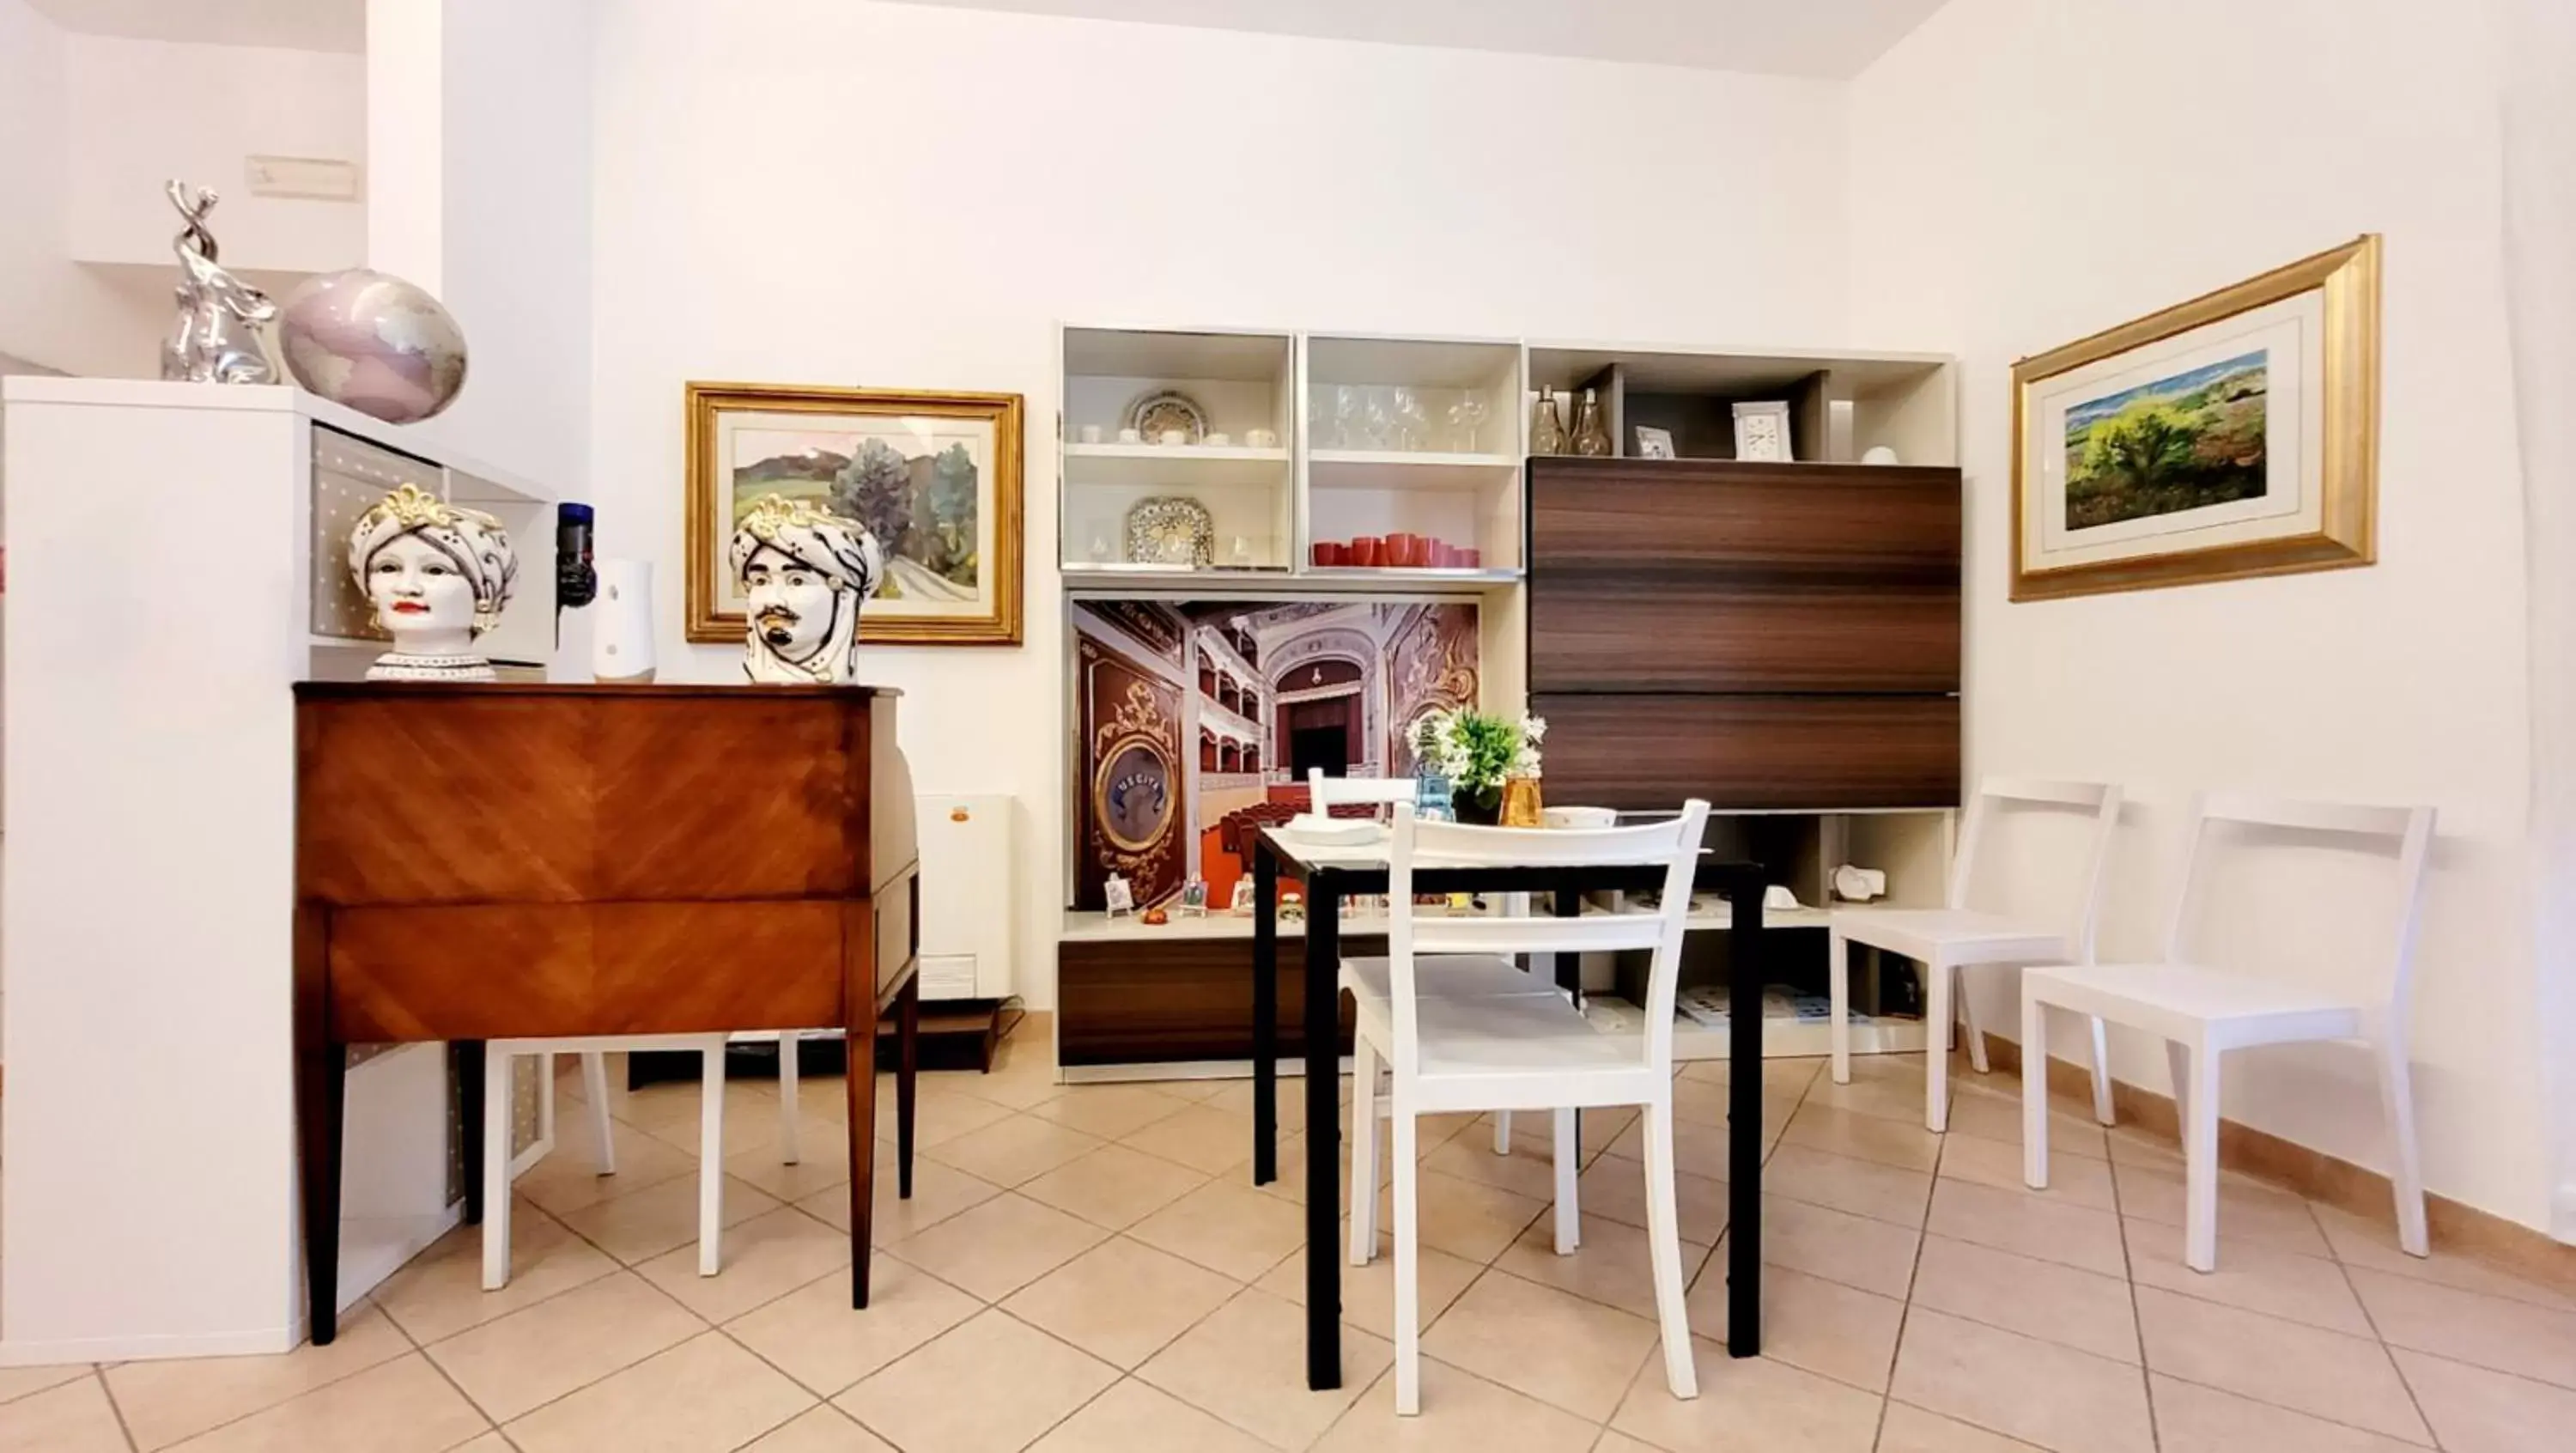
2202	1012
1954	937
1518	1051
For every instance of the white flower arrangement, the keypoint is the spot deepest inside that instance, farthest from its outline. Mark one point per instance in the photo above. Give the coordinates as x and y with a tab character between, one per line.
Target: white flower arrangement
1477	752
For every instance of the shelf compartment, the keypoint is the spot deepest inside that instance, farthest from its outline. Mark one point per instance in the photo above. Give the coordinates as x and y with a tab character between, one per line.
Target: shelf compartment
1474	505
1176	466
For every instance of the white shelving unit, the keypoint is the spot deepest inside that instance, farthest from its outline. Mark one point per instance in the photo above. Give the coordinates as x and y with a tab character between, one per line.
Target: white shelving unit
1240	381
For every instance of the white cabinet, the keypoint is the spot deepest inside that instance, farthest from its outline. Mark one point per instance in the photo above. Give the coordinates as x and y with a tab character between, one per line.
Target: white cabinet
967	897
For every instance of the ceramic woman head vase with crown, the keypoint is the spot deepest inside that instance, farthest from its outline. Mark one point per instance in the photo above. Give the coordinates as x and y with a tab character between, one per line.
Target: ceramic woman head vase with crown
438	576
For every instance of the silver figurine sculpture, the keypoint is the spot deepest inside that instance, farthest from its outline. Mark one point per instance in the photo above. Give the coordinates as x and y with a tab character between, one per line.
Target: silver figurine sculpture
217	337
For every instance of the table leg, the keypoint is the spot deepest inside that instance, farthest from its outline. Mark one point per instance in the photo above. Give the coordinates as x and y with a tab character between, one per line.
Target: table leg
467	1056
1744	1113
907	1075
1323	1132
1265	1017
321	1083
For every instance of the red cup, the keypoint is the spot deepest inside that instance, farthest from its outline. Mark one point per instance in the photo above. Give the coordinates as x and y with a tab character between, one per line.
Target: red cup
1404	550
1368	552
1444	555
1332	552
1471	558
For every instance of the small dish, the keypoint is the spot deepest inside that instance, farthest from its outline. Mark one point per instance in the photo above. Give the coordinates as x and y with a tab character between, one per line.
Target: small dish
1169	409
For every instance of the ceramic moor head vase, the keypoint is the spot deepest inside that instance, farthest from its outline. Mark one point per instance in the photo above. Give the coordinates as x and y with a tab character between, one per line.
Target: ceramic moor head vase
438	576
804	573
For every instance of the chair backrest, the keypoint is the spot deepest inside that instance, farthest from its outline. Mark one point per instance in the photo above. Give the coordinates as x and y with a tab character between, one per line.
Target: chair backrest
2410	827
1672	845
2102	799
1326	793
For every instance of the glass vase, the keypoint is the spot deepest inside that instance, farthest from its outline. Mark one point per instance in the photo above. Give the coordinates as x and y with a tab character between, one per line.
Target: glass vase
1591	436
1521	804
1547	426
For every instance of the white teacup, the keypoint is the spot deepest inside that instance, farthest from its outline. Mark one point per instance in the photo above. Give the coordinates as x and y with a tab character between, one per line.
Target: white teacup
1091	433
1173	436
1262	438
1130	436
1578	817
1217	441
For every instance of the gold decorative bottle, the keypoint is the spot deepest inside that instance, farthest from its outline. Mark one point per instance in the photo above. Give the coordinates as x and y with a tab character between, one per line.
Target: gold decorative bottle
1591	437
1547	426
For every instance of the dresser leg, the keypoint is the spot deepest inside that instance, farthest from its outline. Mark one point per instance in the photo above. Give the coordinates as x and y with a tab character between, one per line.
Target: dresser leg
907	1073
321	1083
863	1138
467	1057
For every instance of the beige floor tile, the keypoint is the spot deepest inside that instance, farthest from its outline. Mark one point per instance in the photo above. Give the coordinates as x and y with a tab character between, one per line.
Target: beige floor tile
1496	1331
937	1194
1018	1149
1621	1443
636	1228
2478	1411
1107	1111
994	1249
18	1382
1234	1097
2490	1332
2073	1180
824	1430
491	1442
1747	1405
2253	1276
1464	1218
1910	1429
70	1417
1613	1266
1789	1079
1470	1157
1904	1144
1838	1246
439	1293
1014	1086
1839	1182
1291	1184
1226	1228
1120	1301
823	1161
1705	1103
1535	1133
2136	1145
2042	1299
815	1336
1190	1091
1246	1363
1616	1188
402	1406
1135	1418
2373	1244
2342	1379
1698	1149
1461	1413
1368	1292
705	1394
765	1258
991	1386
1825	1327
1198	1137
940	1116
2039	1392
2248	1210
166	1401
1114	1186
532	1357
2029	1225
1997	1117
569	1179
750	1118
2195	1419
1888	1099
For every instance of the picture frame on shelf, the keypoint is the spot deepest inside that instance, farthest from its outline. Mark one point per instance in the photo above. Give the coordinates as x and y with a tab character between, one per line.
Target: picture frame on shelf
1654	443
2229	436
1762	432
936	477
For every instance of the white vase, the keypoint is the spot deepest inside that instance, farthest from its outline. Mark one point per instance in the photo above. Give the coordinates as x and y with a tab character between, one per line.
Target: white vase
621	627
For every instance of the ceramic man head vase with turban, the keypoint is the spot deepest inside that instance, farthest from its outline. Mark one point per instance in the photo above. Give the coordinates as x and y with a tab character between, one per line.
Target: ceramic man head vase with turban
438	576
804	572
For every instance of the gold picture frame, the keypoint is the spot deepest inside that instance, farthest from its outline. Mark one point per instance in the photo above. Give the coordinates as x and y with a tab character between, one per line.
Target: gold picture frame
2164	438
895	459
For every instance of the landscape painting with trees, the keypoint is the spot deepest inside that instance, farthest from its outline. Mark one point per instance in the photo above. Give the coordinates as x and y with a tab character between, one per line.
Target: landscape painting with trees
2180	443
916	494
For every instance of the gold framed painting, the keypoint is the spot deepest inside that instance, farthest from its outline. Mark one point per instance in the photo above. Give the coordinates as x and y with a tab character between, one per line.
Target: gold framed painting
2233	435
934	476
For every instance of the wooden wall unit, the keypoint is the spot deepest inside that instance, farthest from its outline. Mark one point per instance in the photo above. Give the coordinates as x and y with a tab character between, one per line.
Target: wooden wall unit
1180	995
1750	753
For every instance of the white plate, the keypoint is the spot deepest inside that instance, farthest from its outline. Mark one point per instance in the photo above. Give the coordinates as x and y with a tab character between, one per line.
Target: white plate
1334	830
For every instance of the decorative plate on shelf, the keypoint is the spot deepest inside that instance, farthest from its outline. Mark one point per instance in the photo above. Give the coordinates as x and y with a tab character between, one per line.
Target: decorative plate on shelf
1168	409
1172	530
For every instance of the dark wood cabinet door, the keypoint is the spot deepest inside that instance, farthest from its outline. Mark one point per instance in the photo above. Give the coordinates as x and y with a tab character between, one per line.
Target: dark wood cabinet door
1714	576
1644	752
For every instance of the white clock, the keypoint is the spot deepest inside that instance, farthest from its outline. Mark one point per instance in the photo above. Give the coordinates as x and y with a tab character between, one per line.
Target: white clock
1762	431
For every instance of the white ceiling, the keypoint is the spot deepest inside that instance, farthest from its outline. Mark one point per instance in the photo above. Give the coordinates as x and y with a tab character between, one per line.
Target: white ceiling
339	25
1833	39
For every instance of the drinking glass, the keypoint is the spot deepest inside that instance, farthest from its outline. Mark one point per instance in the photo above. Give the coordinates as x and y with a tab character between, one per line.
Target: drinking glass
1412	419
1467	415
1377	418
1350	416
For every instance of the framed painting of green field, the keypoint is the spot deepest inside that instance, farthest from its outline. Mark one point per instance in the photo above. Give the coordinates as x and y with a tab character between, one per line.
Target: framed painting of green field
2233	435
934	476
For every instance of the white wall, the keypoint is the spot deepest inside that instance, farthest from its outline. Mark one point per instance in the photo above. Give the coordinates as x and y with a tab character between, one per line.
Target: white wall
815	191
2025	172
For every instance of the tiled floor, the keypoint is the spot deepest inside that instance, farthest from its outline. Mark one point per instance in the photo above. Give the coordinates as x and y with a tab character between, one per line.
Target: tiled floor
1089	1268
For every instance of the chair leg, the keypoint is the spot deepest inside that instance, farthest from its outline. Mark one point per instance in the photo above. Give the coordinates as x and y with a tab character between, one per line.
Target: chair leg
1408	1310
1664	1246
711	1160
1968	1021
2397	1098
1363	1150
2195	1072
1502	1132
1937	1013
2034	1091
1838	986
2102	1110
1569	1214
594	1089
789	1152
495	1169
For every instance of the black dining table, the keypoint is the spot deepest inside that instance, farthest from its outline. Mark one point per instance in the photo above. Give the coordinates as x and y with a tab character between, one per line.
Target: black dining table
1334	872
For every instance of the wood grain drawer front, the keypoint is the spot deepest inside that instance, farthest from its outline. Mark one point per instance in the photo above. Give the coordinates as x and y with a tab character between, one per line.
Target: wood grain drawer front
1708	575
1643	752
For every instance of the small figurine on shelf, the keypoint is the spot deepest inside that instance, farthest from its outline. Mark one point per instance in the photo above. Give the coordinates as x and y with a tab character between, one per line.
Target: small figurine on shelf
1194	895
1155	918
1547	425
439	576
1117	897
1292	906
1241	902
1591	436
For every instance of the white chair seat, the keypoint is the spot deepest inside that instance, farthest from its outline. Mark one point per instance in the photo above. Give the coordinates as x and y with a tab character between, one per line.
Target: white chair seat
1514	1034
1961	935
2177	1001
1449	976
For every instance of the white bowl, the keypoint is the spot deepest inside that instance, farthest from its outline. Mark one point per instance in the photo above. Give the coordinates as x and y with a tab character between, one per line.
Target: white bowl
1592	817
